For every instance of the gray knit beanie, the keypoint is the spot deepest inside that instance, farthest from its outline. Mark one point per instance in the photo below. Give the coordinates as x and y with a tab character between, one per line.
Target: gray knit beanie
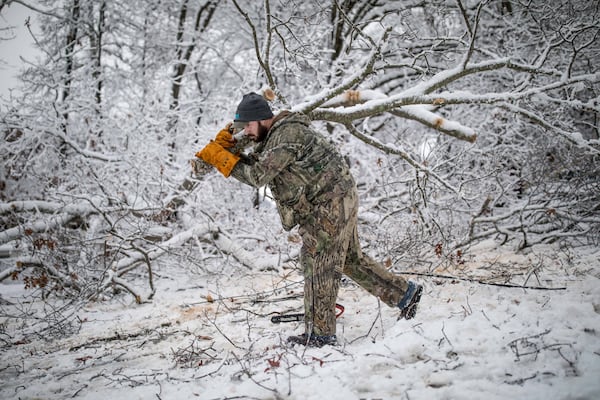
253	107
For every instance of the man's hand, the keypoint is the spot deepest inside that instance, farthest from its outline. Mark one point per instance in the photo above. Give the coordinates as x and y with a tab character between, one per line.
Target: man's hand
224	138
215	155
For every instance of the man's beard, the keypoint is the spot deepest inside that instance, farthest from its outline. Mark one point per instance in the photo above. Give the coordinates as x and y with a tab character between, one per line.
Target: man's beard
262	133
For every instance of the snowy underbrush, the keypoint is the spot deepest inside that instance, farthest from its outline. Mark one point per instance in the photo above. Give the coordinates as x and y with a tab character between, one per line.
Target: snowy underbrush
209	336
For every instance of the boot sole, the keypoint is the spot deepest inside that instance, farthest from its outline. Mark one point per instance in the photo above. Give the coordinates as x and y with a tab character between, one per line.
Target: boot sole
411	310
313	342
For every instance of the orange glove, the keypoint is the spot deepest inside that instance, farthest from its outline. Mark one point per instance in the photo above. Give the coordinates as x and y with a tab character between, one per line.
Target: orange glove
215	155
225	138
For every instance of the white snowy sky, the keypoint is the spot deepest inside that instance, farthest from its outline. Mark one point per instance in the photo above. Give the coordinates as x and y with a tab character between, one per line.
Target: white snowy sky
14	44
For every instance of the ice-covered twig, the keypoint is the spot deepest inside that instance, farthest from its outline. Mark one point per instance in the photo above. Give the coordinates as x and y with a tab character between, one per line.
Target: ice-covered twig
350	82
574	137
388	149
162	248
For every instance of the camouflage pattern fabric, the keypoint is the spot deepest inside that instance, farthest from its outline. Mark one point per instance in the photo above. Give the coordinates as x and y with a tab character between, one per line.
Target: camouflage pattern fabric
313	188
300	167
330	248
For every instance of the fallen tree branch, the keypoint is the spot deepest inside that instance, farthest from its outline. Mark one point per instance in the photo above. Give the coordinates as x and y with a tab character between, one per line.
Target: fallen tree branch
480	281
63	214
38	226
8	272
248	258
124	263
144	333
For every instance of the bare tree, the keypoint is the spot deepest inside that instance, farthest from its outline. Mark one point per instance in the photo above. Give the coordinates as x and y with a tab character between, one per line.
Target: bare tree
482	73
462	121
186	46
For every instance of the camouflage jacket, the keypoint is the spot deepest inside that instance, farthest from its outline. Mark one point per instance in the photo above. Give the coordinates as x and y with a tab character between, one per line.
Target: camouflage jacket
298	165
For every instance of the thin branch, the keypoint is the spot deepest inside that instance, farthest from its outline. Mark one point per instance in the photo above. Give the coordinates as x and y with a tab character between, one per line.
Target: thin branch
214	324
150	273
404	155
571	137
40	10
264	62
85	153
463	12
318	100
472	30
480	281
267	50
254	32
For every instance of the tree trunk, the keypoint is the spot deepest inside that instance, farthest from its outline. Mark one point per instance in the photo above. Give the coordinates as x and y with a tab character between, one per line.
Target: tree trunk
69	64
184	53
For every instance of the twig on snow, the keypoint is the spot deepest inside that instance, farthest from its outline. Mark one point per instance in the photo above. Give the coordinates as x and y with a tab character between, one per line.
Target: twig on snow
482	282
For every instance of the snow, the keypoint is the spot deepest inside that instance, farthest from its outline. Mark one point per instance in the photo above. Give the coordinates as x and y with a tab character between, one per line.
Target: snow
199	325
208	336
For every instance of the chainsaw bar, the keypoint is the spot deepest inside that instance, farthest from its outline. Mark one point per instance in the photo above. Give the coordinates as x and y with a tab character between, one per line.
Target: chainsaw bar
277	319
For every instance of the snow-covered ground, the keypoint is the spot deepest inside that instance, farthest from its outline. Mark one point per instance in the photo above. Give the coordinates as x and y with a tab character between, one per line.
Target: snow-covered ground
210	337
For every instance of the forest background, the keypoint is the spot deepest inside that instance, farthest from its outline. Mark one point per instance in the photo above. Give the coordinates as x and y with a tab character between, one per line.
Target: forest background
464	122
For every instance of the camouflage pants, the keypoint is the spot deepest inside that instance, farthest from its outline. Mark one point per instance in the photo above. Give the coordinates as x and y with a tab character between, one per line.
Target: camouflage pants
330	248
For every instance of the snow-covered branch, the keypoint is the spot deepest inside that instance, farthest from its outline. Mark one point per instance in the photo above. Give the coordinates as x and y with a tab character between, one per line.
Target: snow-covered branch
86	153
38	226
63	214
356	104
428	118
47	207
531	223
382	104
313	102
124	264
390	149
573	137
256	262
222	240
404	105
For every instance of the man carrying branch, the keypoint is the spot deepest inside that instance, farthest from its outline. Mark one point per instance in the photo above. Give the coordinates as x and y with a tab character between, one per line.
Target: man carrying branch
314	189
